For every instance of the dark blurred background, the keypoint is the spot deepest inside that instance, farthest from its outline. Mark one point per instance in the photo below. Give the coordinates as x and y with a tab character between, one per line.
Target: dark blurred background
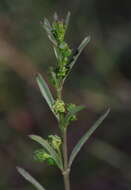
101	78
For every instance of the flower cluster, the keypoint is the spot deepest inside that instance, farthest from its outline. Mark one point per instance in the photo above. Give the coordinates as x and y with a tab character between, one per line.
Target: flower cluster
55	141
58	30
62	50
56	33
59	106
42	155
65	110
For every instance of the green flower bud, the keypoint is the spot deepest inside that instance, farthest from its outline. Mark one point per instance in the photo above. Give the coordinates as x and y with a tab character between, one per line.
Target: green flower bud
41	155
59	106
73	118
51	162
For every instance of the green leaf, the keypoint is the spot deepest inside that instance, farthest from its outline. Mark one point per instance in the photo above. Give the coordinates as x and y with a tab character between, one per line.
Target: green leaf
67	19
72	113
56	53
47	24
29	178
45	92
49	149
51	38
80	49
86	136
48	28
75	57
53	78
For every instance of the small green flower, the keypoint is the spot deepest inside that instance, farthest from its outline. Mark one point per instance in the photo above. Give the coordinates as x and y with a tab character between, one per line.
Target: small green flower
55	141
59	106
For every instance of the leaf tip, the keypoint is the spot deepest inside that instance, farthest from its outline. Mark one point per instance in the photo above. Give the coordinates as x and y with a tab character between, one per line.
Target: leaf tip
88	38
68	13
19	169
31	136
108	110
36	75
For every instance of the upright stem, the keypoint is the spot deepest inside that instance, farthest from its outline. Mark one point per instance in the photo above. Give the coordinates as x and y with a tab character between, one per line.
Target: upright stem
66	172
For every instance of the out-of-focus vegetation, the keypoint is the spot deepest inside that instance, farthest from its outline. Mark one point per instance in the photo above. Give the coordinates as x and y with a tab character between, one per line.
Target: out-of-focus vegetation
101	77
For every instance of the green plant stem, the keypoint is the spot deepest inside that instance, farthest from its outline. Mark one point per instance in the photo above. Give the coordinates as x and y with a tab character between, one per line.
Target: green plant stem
59	93
66	172
66	181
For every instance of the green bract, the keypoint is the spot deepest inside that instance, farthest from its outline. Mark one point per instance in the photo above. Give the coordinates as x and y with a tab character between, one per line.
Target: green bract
70	108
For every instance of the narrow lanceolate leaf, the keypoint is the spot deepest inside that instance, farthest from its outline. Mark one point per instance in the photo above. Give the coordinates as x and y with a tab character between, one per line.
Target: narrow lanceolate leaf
79	50
51	38
49	149
82	141
48	28
56	53
70	114
29	178
45	91
54	78
47	24
67	20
